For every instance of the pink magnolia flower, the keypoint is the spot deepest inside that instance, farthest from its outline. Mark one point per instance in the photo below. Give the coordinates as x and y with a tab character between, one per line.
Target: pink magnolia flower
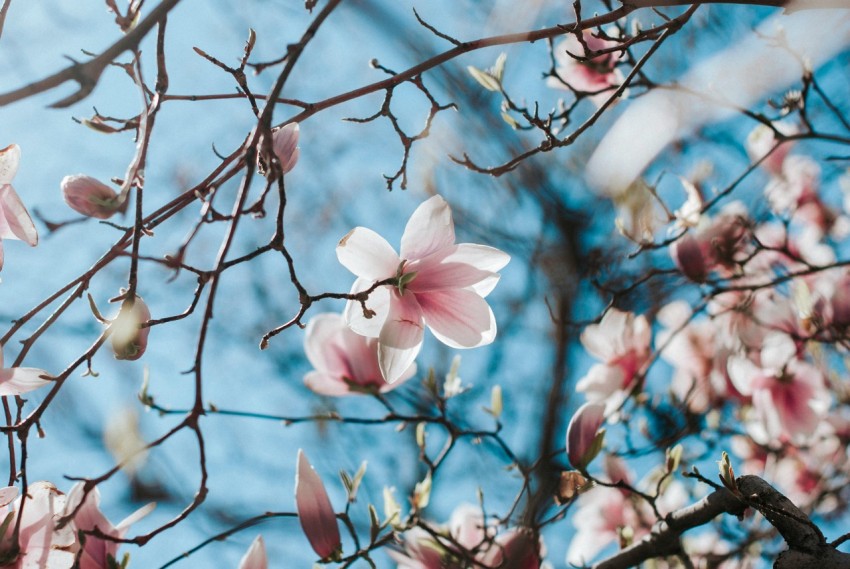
717	244
255	557
598	77
582	433
41	544
91	197
433	282
18	380
15	222
96	552
621	341
315	512
129	338
788	395
344	362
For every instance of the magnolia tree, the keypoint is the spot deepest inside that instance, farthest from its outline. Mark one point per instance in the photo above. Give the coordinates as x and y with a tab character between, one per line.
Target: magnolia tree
629	218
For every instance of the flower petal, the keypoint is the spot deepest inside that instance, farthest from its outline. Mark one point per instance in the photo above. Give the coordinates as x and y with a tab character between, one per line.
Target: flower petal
582	432
15	222
378	301
10	157
367	255
18	380
321	331
429	229
401	337
315	512
325	384
460	266
458	318
255	557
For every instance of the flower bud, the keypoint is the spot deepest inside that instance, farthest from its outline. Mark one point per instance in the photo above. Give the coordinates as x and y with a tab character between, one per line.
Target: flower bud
315	512
583	435
129	339
285	146
689	256
91	197
255	557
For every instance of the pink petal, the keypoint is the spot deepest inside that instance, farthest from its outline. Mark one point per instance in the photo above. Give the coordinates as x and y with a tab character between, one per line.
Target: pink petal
378	301
467	526
15	222
516	549
401	336
429	229
367	255
323	330
325	384
255	557
10	157
315	511
7	495
582	431
18	380
460	266
458	318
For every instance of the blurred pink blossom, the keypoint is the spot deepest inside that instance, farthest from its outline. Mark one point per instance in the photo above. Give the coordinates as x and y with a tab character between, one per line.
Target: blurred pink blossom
597	77
344	362
96	552
91	197
434	283
762	140
315	512
41	544
622	342
15	221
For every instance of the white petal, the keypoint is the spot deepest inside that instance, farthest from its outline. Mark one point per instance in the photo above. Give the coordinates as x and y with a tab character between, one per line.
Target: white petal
17	380
15	222
429	229
10	157
378	301
777	350
742	372
320	332
458	318
255	557
367	255
401	337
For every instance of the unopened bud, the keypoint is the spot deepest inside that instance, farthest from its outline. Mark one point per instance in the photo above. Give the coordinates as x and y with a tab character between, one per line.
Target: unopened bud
129	339
285	146
91	197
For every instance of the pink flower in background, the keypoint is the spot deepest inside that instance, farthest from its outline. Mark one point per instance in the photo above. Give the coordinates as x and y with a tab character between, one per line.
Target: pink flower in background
18	380
597	77
15	222
97	552
762	140
344	362
788	395
621	341
315	512
582	433
40	544
255	557
91	197
717	244
433	282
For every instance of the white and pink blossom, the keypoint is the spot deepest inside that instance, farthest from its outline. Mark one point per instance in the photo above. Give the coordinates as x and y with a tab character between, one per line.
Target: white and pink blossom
622	342
18	380
15	221
597	77
583	433
433	282
40	542
97	552
344	362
